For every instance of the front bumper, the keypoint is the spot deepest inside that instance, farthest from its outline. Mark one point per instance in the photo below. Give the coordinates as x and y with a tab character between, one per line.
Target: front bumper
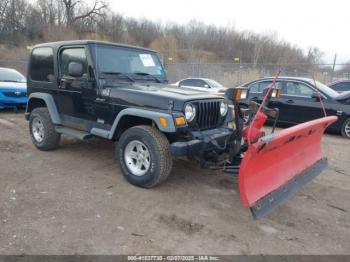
19	105
13	101
215	139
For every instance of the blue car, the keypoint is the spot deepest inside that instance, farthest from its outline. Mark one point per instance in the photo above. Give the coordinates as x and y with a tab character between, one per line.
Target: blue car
13	89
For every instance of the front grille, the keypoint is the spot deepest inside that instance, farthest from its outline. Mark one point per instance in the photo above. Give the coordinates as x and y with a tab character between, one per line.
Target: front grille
15	94
208	114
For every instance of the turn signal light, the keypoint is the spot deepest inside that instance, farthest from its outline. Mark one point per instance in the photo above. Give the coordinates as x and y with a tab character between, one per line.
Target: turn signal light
162	121
180	121
237	94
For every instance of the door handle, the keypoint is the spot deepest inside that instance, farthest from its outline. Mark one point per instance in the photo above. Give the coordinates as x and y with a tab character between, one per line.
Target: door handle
290	101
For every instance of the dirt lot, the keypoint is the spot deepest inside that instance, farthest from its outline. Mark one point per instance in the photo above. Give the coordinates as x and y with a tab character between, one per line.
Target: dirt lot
75	200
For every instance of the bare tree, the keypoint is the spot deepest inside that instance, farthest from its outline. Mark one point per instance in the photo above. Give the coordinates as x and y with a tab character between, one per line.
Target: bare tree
24	21
3	5
12	17
75	10
113	26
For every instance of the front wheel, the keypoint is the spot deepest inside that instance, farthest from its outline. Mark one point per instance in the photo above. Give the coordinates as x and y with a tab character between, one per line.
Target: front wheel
345	130
144	156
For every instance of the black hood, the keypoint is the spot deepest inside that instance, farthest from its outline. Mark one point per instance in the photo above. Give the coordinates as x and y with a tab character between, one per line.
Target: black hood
156	96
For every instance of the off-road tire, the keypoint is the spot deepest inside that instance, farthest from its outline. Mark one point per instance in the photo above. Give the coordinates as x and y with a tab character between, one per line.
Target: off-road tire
51	138
160	158
345	124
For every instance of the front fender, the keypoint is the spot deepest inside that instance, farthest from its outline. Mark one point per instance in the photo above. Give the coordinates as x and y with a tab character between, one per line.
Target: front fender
152	115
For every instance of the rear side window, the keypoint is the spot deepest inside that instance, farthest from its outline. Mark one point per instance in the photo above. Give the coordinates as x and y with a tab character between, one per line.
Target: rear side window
69	55
41	65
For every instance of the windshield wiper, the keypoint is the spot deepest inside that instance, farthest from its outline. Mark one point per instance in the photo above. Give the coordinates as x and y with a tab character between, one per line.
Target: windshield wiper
147	74
119	74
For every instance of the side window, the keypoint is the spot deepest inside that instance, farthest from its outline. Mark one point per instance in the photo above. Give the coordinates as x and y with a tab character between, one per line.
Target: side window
259	87
254	88
69	55
41	65
187	82
337	87
297	89
200	83
264	85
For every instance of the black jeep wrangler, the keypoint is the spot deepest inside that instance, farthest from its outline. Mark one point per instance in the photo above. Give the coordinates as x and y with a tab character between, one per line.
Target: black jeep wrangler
89	89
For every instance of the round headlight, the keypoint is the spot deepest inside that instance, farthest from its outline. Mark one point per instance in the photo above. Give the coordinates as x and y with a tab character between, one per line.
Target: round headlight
190	112
223	108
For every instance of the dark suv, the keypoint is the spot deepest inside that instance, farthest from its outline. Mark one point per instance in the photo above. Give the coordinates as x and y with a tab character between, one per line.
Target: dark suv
89	89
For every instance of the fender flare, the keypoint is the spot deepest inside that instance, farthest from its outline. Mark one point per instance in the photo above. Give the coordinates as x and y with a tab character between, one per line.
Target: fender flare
50	104
152	115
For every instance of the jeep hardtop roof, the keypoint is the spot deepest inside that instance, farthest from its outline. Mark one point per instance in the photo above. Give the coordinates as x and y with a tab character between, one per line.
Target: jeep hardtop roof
58	44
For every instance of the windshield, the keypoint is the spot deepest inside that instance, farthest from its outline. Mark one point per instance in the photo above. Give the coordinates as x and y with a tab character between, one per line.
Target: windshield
111	59
11	75
213	83
327	90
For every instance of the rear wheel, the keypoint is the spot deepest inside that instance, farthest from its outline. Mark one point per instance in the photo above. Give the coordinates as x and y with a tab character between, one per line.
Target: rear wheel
42	130
345	130
144	156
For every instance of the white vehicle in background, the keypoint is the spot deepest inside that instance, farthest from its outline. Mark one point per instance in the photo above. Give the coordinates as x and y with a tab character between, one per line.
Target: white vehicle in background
202	84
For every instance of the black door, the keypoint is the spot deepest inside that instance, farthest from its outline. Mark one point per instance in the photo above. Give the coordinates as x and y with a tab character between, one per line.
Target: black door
76	95
296	103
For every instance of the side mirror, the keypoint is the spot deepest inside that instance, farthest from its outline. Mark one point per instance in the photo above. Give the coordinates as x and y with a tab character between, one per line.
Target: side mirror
206	86
75	69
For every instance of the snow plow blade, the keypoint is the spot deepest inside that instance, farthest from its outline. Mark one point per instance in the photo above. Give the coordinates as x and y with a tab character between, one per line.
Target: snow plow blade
274	168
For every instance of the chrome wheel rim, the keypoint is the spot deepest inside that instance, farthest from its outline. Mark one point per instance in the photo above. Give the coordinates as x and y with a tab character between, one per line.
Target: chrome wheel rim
137	158
38	129
347	129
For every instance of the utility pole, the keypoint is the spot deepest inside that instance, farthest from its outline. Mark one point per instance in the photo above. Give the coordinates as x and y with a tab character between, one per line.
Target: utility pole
333	68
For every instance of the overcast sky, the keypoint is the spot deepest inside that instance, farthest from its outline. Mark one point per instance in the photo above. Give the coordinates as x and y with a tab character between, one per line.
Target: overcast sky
324	23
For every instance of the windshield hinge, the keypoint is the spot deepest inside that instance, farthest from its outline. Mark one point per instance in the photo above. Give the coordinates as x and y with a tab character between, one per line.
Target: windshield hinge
171	105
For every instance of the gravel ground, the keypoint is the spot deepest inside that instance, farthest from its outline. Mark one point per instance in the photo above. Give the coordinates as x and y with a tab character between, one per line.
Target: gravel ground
75	201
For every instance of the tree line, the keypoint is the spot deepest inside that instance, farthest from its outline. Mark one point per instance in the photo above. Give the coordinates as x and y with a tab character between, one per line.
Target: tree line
24	23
